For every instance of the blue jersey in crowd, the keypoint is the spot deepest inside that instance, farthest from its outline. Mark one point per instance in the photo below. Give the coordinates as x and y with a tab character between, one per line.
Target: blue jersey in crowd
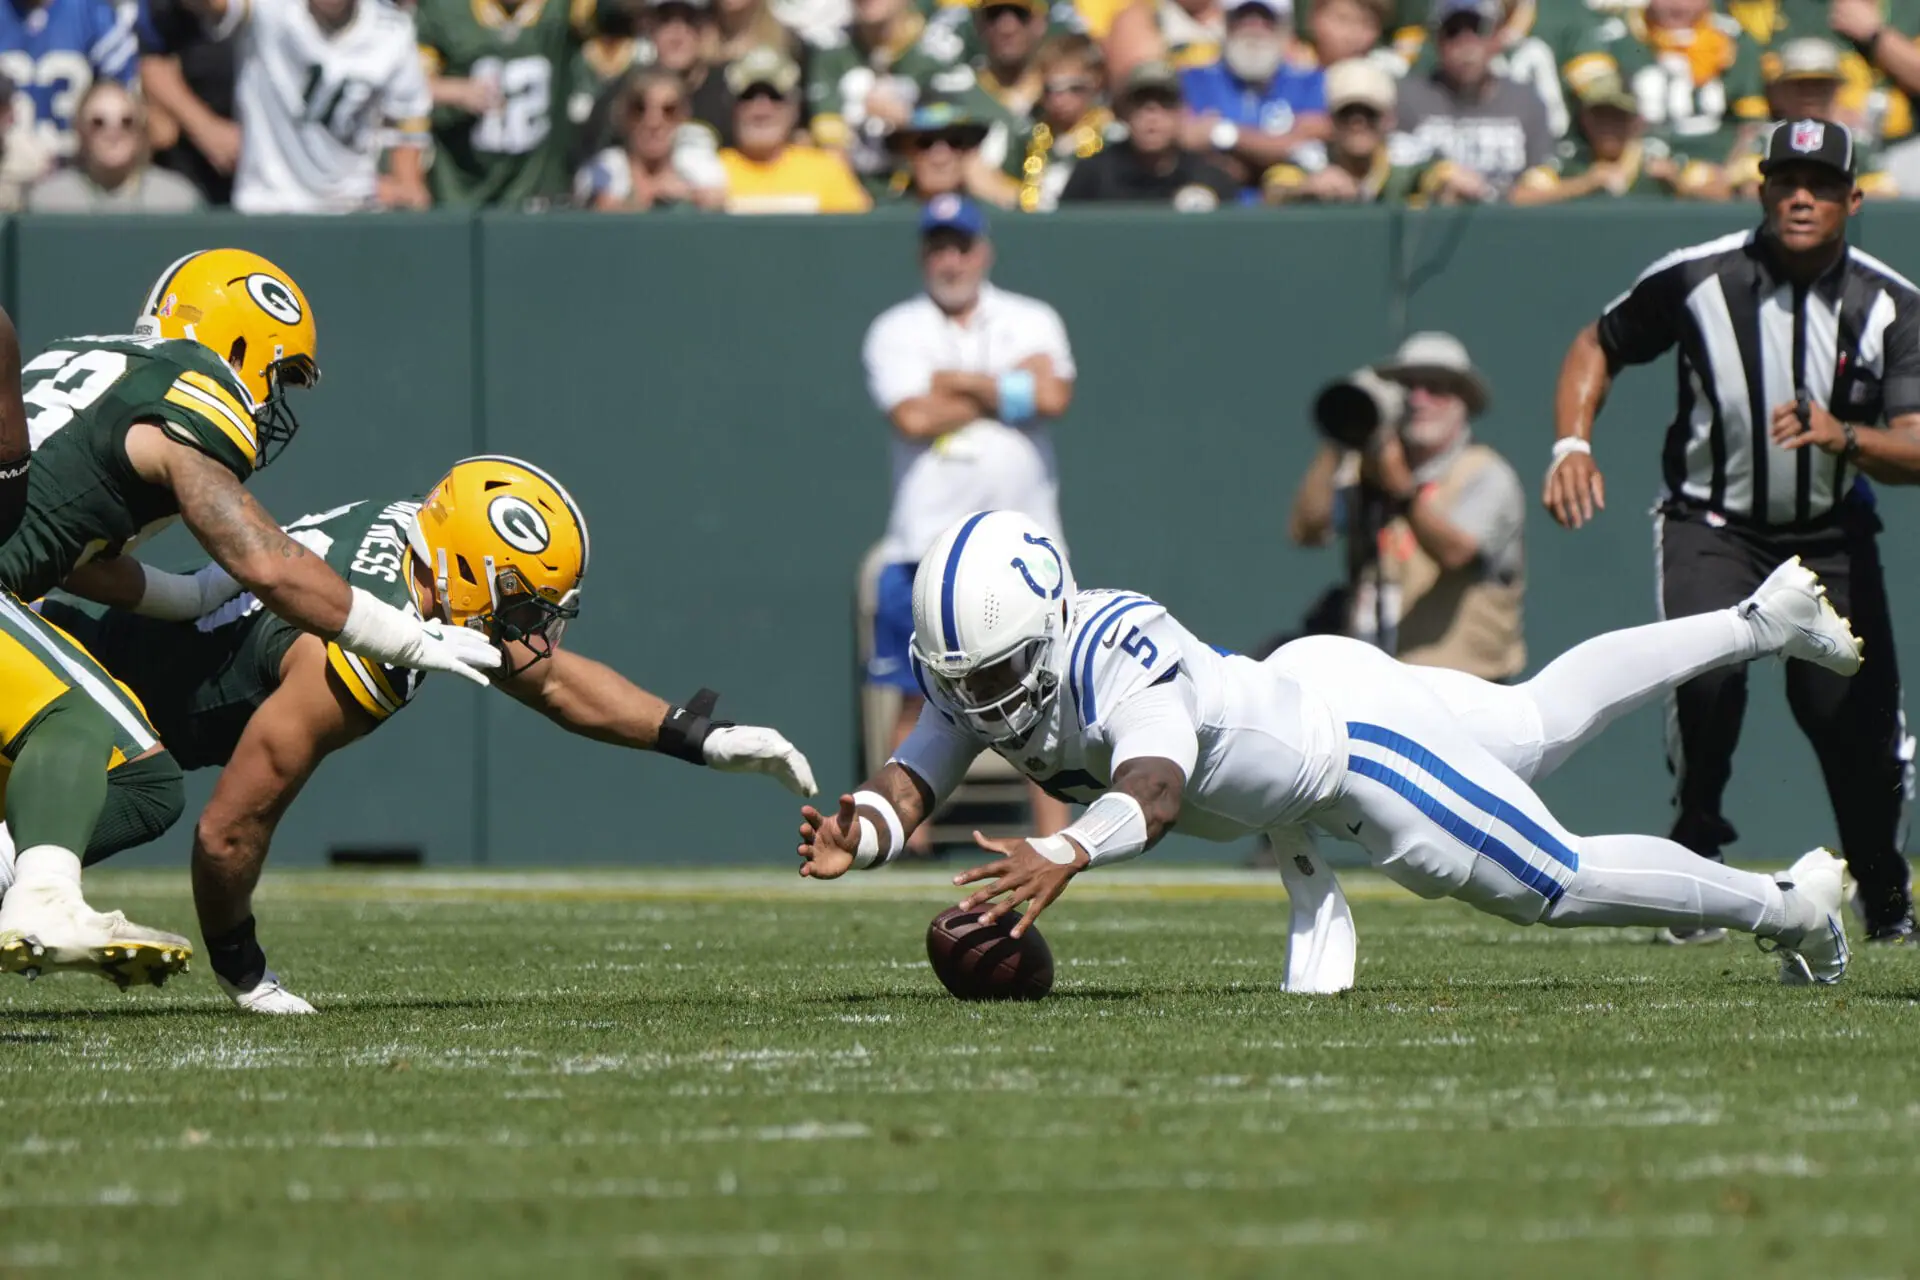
54	51
1270	108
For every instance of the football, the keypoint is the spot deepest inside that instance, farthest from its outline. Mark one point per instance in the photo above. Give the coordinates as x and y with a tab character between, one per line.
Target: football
977	961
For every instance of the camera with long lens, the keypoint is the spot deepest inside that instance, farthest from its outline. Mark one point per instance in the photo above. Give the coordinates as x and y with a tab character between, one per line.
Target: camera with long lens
1351	411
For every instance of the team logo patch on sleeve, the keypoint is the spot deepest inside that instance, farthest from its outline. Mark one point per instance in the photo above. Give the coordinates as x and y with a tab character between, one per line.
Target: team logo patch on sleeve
520	523
274	297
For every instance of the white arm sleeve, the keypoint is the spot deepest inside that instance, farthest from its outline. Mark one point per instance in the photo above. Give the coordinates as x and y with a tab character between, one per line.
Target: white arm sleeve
1159	722
938	752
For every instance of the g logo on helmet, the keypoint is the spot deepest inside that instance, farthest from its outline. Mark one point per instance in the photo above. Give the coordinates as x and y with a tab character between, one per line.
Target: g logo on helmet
273	296
519	522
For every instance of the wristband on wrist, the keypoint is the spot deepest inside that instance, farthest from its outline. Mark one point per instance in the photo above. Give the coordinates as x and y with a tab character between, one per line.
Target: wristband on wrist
1852	449
1564	448
882	834
1113	829
1015	390
683	734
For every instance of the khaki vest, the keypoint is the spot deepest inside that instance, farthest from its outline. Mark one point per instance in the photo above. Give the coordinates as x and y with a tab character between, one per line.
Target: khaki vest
1460	620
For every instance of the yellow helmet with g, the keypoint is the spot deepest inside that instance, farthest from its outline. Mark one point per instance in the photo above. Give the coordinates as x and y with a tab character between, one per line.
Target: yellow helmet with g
252	315
506	549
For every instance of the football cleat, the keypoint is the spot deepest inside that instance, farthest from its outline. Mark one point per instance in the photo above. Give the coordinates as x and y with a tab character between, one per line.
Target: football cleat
266	996
1791	612
1816	955
1886	915
49	928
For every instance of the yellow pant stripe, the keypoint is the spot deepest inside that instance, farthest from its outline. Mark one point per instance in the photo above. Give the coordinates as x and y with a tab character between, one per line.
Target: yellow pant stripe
39	662
363	682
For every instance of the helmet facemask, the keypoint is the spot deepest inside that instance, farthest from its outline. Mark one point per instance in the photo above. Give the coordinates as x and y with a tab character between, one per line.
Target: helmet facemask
1004	699
518	613
273	418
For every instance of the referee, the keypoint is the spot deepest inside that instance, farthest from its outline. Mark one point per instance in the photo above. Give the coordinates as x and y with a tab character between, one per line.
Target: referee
1799	378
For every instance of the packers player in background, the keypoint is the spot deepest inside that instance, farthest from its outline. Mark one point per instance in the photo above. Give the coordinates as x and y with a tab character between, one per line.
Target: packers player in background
497	546
129	433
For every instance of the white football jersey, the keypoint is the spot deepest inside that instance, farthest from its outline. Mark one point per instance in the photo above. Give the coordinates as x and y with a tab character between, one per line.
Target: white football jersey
317	107
1263	752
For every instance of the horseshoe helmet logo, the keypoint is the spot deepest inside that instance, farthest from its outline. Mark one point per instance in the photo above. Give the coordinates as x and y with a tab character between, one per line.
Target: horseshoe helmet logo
273	297
519	523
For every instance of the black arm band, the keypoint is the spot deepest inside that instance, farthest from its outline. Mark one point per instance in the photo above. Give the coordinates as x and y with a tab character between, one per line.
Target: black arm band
13	494
237	957
683	734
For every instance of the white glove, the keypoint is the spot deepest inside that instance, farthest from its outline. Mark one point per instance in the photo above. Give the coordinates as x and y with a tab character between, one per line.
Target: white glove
181	597
746	748
267	996
383	633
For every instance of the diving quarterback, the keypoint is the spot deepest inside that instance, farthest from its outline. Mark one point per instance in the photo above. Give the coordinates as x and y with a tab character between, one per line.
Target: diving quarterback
128	433
498	547
1103	698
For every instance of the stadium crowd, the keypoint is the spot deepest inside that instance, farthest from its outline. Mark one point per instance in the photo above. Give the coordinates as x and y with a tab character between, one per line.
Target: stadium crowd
840	106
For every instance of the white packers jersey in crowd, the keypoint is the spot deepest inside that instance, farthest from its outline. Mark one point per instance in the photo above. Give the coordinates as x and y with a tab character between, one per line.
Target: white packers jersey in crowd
316	108
1269	750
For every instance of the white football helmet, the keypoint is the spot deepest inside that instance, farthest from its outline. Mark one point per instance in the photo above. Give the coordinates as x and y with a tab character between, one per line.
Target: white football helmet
990	613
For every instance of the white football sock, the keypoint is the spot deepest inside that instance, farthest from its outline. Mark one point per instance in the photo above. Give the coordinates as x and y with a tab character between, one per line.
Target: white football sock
1592	684
7	859
1644	880
46	863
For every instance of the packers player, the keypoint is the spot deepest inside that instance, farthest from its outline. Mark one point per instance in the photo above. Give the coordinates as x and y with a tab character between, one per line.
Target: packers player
496	546
131	432
16	455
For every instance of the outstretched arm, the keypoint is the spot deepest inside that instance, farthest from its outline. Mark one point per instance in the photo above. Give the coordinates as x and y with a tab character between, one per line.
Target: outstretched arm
290	580
593	700
872	824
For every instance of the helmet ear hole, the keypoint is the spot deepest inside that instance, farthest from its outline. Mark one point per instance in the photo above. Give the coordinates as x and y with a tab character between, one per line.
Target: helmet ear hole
466	570
237	355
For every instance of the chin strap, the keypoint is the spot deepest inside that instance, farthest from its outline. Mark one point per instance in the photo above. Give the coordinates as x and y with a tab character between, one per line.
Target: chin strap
683	734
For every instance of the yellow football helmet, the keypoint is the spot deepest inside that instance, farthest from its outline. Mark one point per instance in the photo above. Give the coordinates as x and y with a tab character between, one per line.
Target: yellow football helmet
506	548
252	315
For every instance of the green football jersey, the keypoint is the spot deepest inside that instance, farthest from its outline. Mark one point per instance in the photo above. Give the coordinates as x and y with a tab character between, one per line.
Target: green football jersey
517	152
201	681
924	61
1696	88
83	498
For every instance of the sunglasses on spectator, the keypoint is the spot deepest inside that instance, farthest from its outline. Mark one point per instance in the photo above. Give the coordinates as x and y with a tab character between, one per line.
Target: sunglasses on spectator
672	12
764	91
1157	97
994	12
109	122
1462	24
1070	86
647	108
1356	113
958	139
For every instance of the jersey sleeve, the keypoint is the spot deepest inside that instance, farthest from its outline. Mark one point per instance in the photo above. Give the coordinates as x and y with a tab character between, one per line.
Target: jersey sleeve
114	48
211	415
896	368
1159	722
1128	645
405	101
1900	386
380	690
938	752
1644	322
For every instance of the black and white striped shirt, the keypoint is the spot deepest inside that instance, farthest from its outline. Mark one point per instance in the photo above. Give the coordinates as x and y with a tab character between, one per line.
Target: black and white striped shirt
1749	341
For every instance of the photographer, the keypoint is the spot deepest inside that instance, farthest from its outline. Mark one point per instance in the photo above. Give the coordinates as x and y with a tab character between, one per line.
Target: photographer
1432	520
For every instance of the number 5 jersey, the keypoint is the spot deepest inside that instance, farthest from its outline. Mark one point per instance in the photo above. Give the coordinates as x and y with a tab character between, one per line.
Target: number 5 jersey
1259	749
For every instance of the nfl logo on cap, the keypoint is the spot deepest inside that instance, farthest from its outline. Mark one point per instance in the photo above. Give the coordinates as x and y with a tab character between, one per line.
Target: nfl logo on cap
1807	135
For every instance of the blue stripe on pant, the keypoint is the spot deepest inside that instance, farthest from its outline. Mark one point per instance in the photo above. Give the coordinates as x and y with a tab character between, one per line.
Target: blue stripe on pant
1464	787
1459	828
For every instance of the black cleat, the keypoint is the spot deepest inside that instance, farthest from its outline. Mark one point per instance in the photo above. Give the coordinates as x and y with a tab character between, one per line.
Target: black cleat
1887	915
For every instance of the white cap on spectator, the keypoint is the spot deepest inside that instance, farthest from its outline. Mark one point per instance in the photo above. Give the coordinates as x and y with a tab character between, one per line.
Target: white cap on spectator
1441	359
1359	82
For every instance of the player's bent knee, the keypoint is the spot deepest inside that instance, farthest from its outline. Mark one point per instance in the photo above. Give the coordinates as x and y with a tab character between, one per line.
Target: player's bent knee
145	797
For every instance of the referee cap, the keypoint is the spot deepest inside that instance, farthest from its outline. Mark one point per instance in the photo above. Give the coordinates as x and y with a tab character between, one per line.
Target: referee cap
1820	142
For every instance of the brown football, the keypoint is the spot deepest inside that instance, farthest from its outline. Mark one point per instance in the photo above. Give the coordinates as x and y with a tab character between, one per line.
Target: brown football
979	961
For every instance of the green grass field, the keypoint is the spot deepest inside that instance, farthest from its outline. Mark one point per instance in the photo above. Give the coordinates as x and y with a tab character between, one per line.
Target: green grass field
743	1075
